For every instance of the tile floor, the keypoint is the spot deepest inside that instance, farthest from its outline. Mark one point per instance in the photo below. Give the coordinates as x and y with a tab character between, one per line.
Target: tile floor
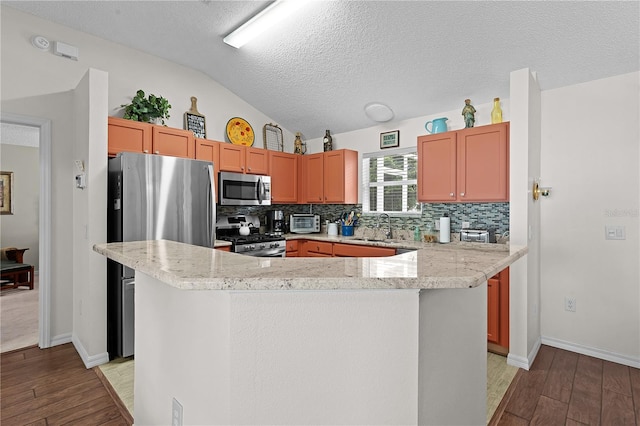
120	374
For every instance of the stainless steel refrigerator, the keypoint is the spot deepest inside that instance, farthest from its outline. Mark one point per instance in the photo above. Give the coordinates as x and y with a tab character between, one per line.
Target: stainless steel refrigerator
152	197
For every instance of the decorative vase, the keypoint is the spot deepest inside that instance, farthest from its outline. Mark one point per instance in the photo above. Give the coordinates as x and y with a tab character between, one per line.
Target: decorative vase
328	141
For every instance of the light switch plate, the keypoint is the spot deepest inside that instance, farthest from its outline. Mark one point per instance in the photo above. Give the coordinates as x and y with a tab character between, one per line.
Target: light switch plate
614	232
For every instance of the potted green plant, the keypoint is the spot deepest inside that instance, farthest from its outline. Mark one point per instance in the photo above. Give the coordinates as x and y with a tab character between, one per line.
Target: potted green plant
146	109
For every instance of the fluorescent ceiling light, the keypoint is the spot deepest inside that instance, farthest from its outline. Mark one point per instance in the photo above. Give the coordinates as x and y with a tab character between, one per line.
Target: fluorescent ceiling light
272	15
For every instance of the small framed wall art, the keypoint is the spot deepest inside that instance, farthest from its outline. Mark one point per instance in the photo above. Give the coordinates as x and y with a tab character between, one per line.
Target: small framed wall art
390	139
6	192
194	121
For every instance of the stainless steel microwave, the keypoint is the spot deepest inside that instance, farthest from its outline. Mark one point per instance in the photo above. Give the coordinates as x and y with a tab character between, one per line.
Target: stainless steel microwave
237	189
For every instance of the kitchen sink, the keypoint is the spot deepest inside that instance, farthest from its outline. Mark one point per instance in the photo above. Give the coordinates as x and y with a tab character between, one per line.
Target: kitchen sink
374	240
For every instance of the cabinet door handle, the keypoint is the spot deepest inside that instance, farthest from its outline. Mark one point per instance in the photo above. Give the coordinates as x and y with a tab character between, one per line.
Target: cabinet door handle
462	194
451	194
249	168
145	151
157	152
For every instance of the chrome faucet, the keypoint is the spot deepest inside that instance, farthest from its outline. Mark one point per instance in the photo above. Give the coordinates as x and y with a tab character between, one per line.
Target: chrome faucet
387	235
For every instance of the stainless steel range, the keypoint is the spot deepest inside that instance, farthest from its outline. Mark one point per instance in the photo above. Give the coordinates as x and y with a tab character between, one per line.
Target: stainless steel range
231	228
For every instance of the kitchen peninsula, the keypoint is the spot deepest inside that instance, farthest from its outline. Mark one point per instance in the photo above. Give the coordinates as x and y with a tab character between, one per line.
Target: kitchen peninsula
244	340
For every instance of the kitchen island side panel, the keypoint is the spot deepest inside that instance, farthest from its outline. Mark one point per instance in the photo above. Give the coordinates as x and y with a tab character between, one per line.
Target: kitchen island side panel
287	357
182	352
324	357
453	356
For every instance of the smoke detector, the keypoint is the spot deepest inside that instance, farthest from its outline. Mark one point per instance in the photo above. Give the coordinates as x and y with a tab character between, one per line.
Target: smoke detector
40	42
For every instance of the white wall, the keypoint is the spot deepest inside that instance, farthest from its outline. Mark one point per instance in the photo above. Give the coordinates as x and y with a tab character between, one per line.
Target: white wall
590	156
40	84
524	294
21	228
90	219
129	70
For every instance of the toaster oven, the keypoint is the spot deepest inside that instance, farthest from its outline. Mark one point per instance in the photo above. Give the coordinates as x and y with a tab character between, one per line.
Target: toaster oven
478	235
304	223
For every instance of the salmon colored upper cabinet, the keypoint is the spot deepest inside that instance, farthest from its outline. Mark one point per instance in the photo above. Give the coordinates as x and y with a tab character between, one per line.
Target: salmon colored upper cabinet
128	136
469	165
341	177
483	163
209	150
284	177
174	142
257	160
232	158
313	178
331	177
243	159
437	167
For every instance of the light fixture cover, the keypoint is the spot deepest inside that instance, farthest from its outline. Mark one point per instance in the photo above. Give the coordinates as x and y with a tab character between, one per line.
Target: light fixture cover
269	17
378	112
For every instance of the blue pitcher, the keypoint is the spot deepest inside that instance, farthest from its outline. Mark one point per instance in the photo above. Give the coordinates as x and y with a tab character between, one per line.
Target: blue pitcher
438	125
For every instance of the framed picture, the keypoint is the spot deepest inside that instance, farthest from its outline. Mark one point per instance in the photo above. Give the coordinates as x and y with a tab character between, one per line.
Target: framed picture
390	139
196	124
6	192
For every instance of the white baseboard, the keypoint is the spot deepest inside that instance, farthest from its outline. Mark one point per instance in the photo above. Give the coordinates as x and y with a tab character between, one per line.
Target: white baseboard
522	362
90	361
60	339
594	352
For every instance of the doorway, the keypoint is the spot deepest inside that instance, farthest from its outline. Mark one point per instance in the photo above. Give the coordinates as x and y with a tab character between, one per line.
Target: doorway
43	128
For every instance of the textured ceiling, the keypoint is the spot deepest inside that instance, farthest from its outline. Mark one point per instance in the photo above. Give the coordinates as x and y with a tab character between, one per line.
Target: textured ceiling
419	57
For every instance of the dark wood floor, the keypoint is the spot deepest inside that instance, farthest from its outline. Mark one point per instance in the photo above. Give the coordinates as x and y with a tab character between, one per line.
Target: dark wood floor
52	387
565	388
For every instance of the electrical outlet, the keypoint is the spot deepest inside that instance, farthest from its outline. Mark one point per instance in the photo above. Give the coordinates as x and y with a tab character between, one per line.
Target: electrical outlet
466	225
436	225
176	413
570	304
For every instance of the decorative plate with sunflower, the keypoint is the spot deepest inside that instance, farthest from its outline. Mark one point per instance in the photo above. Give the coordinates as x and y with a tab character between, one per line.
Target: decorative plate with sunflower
240	132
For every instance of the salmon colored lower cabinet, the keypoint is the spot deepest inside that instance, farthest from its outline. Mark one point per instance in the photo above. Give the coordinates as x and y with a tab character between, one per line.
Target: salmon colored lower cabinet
498	312
224	248
313	248
352	250
292	248
493	307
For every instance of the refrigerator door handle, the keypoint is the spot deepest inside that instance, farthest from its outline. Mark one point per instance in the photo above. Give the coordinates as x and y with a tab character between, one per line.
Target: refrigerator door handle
211	220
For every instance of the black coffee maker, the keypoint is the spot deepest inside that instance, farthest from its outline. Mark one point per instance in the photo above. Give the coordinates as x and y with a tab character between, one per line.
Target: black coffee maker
275	222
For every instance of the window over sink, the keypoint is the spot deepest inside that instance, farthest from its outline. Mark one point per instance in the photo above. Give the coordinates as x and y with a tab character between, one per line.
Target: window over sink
389	180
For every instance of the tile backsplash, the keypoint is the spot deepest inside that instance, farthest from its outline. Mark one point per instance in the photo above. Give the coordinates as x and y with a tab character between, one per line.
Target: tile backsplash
479	215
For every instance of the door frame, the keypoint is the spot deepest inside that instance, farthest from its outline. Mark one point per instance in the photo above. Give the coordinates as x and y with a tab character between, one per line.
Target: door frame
44	233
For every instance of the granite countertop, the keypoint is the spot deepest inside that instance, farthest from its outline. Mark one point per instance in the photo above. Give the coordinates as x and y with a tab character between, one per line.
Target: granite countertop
432	265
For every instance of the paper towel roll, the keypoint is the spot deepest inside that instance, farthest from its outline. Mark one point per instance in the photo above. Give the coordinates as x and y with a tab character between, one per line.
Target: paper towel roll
445	229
